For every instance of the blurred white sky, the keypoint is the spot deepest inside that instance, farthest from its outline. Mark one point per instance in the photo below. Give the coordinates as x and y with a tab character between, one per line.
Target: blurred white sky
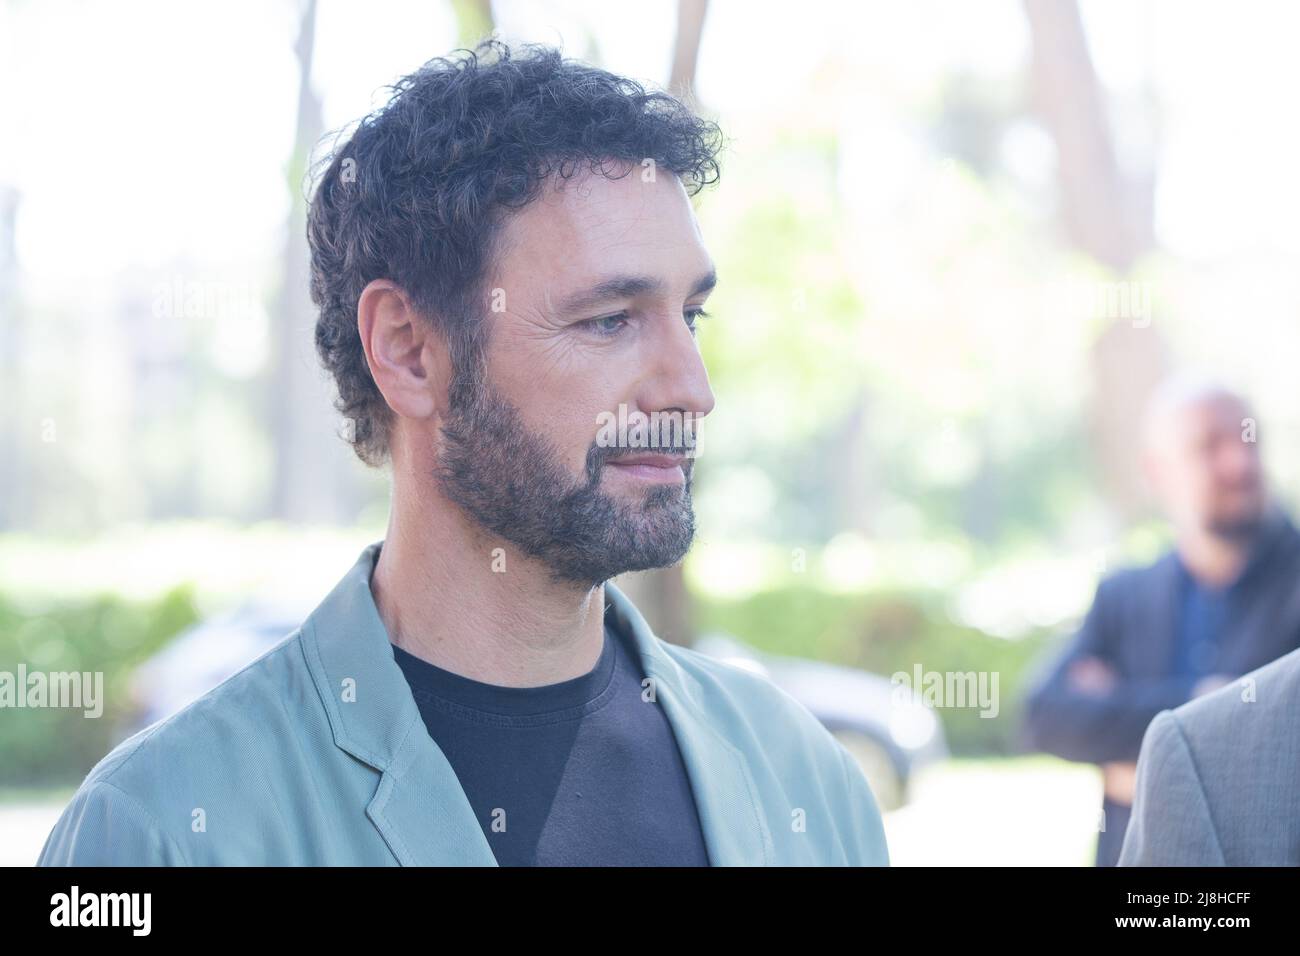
143	133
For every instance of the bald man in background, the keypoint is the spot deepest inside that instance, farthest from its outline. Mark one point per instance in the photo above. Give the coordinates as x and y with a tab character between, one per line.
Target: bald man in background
1222	603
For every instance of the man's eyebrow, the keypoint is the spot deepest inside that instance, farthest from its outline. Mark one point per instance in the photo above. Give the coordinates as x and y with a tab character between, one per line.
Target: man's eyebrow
626	287
705	283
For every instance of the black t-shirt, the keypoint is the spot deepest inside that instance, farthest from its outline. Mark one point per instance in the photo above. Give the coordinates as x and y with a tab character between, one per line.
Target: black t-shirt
580	773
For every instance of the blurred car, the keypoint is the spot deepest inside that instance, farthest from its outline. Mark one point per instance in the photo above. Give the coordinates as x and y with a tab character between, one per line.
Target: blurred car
202	656
886	728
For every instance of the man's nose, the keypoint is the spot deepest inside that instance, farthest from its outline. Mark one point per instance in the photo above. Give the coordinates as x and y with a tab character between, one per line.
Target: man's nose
1241	460
676	378
1239	464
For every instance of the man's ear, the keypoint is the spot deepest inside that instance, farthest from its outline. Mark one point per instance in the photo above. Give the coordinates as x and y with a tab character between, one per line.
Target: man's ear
408	359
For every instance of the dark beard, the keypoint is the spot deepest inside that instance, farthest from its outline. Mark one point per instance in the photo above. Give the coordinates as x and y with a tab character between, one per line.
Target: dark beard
513	483
1239	531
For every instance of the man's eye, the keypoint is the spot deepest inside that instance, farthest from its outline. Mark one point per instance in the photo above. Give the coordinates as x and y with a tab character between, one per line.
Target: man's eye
693	317
608	324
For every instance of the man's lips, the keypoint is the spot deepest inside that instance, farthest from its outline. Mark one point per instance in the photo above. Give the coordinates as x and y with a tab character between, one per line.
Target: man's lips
669	468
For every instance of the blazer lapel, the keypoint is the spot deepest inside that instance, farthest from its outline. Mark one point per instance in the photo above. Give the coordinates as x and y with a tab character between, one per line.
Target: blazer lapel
1160	607
423	813
419	807
735	832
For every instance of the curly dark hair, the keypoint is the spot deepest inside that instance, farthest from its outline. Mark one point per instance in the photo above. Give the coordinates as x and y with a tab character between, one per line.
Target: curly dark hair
419	190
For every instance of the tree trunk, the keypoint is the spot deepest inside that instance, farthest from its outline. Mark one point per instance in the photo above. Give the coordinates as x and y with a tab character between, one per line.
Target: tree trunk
314	474
1109	218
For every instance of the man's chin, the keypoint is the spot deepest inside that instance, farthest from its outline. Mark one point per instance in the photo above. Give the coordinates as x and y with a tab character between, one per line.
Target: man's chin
656	547
643	542
593	574
1237	527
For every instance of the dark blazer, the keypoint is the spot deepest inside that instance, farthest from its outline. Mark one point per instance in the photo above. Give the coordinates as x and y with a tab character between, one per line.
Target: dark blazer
1132	627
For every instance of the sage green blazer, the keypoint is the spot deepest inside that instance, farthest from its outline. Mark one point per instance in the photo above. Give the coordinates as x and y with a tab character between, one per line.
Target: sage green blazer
316	754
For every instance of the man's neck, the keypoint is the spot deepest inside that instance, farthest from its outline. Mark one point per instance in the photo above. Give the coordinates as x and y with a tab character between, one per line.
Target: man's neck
1214	560
440	599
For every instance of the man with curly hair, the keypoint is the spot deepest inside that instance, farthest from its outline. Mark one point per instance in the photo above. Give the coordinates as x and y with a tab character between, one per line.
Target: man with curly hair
507	262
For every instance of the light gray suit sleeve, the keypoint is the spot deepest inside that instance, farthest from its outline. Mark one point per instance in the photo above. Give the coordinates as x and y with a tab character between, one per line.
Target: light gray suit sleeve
1171	823
105	826
868	846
